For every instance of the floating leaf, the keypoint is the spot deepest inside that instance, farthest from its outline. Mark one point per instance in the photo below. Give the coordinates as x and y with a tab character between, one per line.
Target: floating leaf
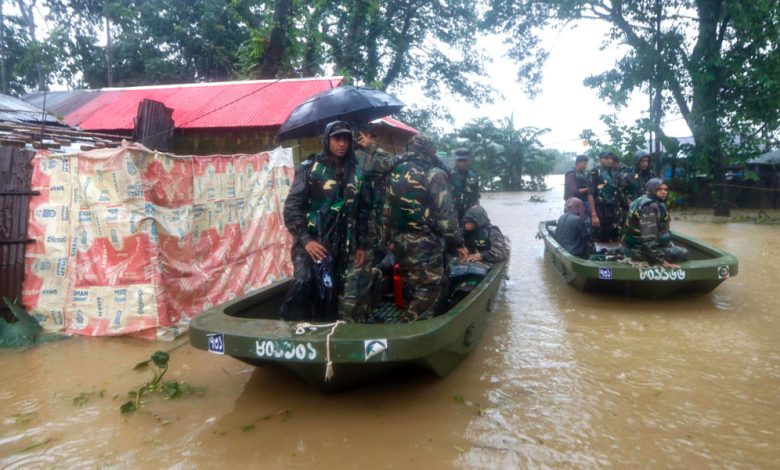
247	427
160	359
128	407
459	399
36	444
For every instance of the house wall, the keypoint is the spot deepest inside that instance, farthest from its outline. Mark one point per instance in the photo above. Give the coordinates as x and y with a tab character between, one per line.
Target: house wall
252	140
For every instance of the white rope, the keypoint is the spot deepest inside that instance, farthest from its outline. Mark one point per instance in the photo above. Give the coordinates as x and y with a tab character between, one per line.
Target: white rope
304	327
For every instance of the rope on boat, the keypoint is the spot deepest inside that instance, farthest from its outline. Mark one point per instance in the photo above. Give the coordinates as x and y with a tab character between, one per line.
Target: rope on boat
302	328
636	264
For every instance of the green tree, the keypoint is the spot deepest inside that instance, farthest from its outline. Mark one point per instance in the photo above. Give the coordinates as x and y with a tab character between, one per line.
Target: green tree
715	62
374	43
503	154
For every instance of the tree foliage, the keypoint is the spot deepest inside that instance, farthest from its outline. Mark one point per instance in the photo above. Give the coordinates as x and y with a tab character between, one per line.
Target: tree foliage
374	43
503	154
716	61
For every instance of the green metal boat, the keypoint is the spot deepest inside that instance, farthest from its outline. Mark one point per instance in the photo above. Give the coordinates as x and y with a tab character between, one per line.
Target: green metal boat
248	329
707	268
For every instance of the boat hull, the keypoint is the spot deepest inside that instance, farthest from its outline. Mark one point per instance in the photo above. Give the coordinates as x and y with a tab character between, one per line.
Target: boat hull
707	269
247	329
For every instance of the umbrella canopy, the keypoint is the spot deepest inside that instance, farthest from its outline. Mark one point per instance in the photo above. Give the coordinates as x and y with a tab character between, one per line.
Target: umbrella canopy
356	105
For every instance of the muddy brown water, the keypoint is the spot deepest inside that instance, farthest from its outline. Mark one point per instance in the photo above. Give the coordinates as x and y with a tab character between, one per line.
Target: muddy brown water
561	380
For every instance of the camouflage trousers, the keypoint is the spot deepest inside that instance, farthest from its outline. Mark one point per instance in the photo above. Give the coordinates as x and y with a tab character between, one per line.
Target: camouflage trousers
420	258
672	253
301	303
354	301
609	223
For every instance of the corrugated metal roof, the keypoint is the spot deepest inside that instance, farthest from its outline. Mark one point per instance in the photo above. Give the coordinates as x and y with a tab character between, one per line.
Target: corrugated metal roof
259	103
61	103
397	124
15	110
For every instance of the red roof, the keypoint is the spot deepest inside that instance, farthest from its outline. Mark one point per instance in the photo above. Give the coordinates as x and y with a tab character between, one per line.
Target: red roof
259	103
387	120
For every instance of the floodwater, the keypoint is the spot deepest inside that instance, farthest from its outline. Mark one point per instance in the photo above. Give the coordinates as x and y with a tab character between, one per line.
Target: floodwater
561	380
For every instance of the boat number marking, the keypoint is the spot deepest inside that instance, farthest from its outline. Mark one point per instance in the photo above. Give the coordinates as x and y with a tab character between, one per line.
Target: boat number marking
661	274
723	272
372	347
605	273
216	343
285	349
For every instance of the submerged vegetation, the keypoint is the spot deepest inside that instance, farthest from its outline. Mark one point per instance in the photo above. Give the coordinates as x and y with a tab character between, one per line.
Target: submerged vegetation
168	389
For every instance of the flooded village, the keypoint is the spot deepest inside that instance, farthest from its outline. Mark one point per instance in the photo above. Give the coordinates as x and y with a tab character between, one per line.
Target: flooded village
401	234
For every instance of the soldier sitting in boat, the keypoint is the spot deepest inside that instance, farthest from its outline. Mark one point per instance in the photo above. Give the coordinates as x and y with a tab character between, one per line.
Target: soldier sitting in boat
572	232
646	235
484	241
327	214
486	246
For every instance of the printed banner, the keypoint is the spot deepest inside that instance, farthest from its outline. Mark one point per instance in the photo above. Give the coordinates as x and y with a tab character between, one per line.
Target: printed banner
132	241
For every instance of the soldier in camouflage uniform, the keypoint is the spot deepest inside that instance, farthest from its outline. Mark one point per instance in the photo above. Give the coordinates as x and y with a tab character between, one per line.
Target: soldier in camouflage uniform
420	219
484	241
327	215
375	164
465	183
604	200
646	235
633	181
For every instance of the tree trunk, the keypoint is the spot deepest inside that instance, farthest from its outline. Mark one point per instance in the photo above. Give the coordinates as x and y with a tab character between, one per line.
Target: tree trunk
706	74
271	62
29	19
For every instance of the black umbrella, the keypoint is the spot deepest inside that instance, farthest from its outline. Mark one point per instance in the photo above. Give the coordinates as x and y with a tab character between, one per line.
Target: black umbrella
355	105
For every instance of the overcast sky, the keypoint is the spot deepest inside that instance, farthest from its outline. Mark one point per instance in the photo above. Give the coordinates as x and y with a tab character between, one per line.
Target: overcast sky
565	105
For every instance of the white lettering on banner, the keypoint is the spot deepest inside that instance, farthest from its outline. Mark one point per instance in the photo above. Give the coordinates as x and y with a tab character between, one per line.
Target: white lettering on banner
285	349
661	274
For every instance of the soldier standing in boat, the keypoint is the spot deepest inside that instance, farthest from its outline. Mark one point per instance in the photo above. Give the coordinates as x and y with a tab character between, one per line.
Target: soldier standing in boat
576	183
633	181
646	236
375	163
421	222
327	215
604	200
465	183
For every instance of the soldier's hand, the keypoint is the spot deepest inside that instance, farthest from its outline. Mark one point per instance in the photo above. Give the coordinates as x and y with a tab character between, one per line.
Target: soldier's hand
316	250
668	265
463	253
360	258
474	257
594	221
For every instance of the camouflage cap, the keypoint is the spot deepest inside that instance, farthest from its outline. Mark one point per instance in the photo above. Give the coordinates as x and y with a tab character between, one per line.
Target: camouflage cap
462	154
423	144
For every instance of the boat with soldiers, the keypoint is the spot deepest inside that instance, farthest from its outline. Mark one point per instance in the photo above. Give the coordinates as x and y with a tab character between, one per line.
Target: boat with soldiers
335	355
706	269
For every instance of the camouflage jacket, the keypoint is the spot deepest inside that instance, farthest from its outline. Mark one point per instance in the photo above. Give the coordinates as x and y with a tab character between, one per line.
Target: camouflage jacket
647	228
603	186
375	164
318	202
632	183
465	191
486	239
419	199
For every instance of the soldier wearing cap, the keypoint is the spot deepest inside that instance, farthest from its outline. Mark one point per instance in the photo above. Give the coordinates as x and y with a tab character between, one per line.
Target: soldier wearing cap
375	164
465	183
604	200
421	222
326	213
